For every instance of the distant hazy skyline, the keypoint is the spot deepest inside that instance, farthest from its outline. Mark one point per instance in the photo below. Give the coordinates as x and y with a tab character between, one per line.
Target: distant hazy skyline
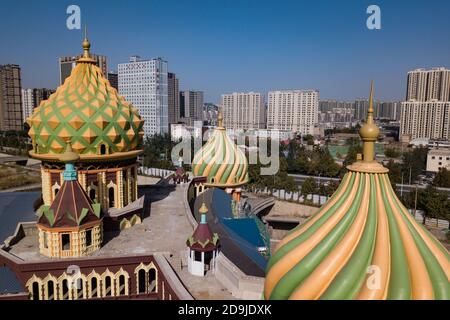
223	46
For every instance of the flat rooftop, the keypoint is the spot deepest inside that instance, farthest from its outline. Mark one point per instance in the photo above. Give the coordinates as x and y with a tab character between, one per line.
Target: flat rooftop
164	231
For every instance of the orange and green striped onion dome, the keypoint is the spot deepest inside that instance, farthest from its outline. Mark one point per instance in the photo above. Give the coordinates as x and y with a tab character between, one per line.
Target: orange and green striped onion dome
362	244
89	112
221	161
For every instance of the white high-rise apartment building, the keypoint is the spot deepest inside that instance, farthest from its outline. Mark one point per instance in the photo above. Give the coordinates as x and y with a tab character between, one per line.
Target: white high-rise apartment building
427	85
294	110
143	83
426	111
243	110
27	103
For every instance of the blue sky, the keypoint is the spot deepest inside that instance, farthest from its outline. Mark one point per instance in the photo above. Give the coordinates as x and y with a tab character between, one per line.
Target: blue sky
220	46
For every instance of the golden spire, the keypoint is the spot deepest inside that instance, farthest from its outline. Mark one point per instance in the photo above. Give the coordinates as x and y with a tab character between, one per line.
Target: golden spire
220	120
86	48
369	132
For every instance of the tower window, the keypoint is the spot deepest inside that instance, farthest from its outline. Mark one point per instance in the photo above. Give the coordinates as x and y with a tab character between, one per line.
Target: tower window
111	197
102	149
45	240
92	194
88	237
65	241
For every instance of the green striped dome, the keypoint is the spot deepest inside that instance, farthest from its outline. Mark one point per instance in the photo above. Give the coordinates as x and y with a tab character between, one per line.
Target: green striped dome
90	113
362	244
221	161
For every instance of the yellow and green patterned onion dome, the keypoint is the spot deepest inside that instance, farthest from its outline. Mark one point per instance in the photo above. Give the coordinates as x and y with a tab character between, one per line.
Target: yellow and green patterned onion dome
221	161
362	244
89	112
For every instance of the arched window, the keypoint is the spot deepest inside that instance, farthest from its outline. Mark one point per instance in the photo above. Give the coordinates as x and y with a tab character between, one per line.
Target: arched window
152	280
56	191
92	195
121	285
50	290
141	281
108	286
102	149
36	290
65	290
95	293
79	289
111	197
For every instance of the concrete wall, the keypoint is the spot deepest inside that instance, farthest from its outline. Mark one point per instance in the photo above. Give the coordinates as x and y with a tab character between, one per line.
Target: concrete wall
238	283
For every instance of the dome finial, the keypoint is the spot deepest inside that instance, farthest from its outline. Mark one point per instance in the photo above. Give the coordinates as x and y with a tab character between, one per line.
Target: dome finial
220	119
86	44
69	156
203	211
369	131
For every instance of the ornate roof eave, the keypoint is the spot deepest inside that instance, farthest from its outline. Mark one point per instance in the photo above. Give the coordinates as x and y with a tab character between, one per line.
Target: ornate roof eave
90	157
226	185
70	229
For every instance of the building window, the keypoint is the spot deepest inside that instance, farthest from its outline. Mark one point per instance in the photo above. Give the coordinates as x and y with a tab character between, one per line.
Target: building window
102	149
152	280
36	290
80	289
65	241
45	240
111	196
121	284
94	288
88	237
108	287
141	281
65	290
92	194
51	290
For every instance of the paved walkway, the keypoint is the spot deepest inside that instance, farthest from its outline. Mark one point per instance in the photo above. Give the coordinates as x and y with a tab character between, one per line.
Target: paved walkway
166	230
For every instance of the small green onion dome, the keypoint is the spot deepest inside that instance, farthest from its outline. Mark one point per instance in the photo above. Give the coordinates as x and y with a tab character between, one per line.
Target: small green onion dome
221	160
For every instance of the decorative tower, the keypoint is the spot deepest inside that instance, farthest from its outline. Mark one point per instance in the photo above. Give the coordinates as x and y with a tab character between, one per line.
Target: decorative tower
362	244
72	225
202	247
222	162
105	130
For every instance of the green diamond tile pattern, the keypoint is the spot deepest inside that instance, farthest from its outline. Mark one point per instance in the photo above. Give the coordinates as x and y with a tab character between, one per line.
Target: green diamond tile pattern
87	111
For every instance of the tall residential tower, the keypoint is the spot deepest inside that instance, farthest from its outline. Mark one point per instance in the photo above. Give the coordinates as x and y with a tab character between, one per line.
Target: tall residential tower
294	110
11	117
243	110
426	111
144	84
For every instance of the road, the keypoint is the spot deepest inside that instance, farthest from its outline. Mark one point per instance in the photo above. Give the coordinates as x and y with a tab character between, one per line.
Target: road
402	188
